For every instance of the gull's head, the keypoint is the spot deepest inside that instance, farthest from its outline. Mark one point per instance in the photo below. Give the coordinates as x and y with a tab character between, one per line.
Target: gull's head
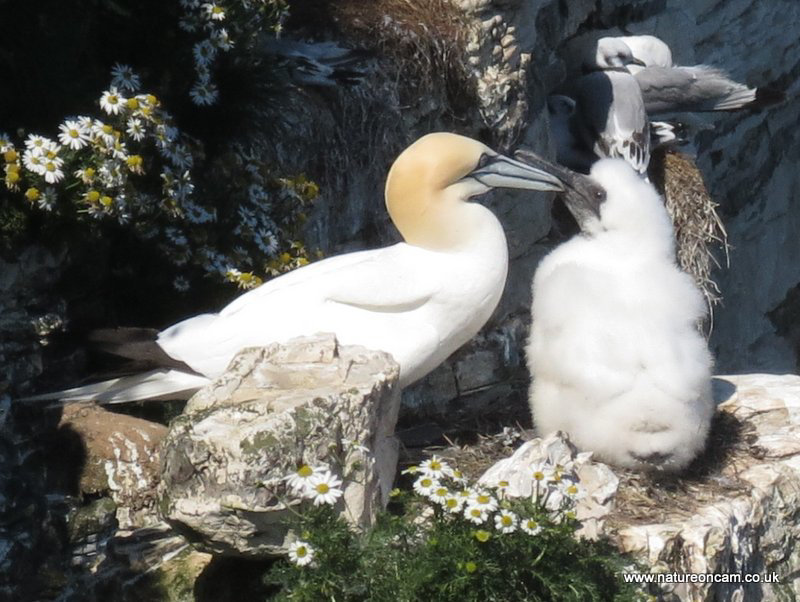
431	181
613	53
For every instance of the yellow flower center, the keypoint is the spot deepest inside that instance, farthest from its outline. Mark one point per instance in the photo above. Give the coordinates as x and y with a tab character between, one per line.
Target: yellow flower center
13	177
106	201
132	103
73	133
10	155
426	482
49	166
476	512
538	475
113	99
482	536
483	499
441	491
51	154
572	490
13	168
305	471
92	196
471	567
107	129
32	194
217	10
532	524
301	551
435	465
503	484
451	503
323	488
88	172
506	521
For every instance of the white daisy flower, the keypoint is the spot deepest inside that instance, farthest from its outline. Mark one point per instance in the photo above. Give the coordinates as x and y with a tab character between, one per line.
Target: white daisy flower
73	135
530	526
48	199
324	488
465	494
436	467
204	52
410	470
439	494
35	143
484	500
542	472
34	161
348	444
453	504
573	490
204	94
85	175
501	488
135	129
475	514
424	485
112	101
221	39
505	521
300	480
301	553
52	172
104	133
5	142
214	11
124	78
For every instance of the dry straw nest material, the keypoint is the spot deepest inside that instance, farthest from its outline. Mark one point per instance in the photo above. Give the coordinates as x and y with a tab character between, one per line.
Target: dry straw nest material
699	231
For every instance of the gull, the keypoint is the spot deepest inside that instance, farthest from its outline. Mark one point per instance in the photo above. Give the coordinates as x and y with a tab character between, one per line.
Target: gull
615	354
671	88
316	63
602	114
418	300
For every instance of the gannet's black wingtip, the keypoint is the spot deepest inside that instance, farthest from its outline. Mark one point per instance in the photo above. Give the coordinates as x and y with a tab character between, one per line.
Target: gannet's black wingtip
767	96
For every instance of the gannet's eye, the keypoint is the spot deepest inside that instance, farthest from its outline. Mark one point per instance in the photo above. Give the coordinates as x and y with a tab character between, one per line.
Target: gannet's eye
599	194
483	161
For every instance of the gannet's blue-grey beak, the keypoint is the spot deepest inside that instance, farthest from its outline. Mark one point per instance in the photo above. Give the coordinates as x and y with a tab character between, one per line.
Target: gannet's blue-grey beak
582	195
498	171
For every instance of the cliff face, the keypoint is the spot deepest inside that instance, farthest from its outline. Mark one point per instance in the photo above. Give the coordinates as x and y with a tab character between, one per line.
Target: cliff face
749	161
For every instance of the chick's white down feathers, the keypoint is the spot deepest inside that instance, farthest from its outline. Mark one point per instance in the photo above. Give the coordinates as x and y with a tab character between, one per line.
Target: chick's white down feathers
615	354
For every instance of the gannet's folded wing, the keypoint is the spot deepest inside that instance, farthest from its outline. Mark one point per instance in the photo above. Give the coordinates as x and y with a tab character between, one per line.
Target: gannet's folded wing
369	284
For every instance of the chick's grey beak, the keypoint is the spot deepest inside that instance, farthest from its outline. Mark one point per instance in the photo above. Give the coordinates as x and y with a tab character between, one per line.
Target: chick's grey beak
582	195
635	61
499	171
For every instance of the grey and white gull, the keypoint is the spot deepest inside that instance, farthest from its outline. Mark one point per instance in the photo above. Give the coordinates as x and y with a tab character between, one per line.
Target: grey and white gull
601	114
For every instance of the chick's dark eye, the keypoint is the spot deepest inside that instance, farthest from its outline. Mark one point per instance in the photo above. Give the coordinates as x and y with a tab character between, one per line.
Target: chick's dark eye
484	160
599	194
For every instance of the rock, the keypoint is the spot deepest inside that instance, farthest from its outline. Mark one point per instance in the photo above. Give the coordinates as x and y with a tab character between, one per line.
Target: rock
116	454
275	409
598	479
742	518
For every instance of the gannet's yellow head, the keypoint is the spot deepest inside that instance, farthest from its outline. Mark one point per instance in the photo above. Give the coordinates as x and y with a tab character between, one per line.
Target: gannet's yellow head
430	182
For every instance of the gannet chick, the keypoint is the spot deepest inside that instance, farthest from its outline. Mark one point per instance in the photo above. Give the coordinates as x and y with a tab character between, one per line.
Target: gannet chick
669	88
615	355
602	114
419	300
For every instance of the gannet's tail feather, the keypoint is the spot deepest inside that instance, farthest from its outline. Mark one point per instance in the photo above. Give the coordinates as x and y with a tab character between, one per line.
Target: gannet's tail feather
156	384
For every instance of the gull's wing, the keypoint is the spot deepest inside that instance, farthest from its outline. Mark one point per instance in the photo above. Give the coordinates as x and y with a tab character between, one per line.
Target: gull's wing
699	88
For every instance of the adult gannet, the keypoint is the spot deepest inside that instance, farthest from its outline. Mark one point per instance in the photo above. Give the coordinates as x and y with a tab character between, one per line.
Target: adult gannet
419	300
614	351
667	87
602	114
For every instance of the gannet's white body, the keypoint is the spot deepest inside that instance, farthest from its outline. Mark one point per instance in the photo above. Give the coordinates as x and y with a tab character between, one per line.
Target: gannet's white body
419	300
615	354
418	304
